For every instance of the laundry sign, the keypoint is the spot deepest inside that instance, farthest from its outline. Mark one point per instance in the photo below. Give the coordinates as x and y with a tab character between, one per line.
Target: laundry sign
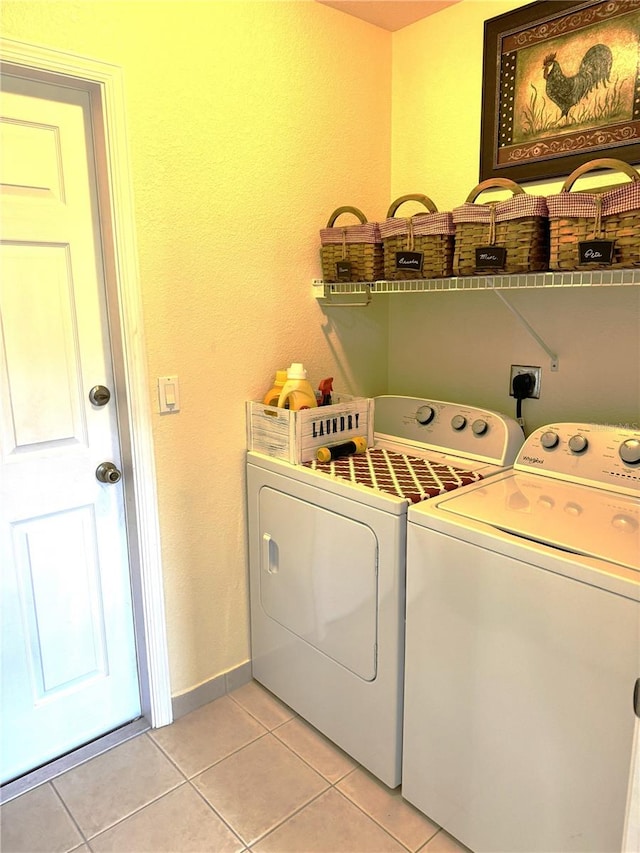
335	426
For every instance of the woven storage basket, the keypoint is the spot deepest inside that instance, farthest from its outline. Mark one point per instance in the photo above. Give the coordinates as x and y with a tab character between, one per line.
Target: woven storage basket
420	246
357	249
518	225
612	214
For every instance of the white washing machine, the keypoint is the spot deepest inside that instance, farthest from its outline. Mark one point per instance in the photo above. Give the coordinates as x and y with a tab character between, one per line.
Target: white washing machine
327	566
523	648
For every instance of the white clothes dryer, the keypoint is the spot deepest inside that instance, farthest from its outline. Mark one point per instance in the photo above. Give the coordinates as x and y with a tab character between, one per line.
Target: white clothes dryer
523	648
327	566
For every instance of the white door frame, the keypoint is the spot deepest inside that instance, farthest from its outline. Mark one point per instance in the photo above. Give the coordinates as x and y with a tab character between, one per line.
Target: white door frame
105	85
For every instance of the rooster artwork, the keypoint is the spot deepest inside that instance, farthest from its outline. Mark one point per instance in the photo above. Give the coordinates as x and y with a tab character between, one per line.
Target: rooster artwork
566	91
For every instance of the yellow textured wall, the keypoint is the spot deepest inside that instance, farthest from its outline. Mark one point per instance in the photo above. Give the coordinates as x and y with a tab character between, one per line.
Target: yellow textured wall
249	122
457	346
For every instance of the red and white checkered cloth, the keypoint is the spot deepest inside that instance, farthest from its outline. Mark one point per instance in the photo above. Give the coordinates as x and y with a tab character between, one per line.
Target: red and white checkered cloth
422	224
517	207
367	233
397	474
622	199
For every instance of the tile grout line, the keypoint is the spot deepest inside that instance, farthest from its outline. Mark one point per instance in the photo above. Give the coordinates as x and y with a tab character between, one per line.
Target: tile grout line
264	835
133	813
330	784
84	838
89	839
216	812
342	794
383	828
289	817
255	717
216	762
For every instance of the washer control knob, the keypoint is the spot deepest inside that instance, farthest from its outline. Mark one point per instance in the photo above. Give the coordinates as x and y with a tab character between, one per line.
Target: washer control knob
458	422
479	426
630	451
425	415
573	509
624	523
549	440
578	443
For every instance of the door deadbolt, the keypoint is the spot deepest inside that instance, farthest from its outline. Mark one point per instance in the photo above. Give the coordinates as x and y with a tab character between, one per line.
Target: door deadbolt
107	472
99	395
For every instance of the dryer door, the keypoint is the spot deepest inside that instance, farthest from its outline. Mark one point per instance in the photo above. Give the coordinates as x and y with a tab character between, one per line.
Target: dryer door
318	578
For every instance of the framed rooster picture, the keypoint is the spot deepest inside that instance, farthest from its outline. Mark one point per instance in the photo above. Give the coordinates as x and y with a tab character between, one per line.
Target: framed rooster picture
561	87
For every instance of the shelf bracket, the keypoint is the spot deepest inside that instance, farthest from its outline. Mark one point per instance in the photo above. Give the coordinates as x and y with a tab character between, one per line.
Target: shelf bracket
552	355
325	292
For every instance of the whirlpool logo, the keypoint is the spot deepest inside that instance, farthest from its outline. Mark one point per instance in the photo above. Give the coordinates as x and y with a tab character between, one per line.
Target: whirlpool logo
533	460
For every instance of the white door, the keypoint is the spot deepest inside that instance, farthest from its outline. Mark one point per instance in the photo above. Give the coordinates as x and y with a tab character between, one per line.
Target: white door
69	668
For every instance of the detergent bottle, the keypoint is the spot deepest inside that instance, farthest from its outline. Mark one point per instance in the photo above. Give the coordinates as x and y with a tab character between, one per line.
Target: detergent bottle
297	391
272	396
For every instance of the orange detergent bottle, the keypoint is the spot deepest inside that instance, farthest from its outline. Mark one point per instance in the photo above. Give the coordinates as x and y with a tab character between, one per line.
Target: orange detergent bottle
272	396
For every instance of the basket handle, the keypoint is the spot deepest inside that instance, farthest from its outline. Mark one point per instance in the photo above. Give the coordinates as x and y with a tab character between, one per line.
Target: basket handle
340	210
604	163
423	199
505	183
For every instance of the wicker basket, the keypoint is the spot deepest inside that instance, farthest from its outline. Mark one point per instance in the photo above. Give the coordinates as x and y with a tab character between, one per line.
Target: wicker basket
420	246
518	226
352	252
607	214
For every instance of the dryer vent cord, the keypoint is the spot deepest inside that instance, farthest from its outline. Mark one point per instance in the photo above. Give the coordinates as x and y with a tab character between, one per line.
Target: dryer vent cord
523	385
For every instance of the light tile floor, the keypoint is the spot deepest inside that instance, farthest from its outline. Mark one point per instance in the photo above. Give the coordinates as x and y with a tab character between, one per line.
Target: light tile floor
242	773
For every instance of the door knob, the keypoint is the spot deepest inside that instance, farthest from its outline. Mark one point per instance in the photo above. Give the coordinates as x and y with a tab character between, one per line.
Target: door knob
107	472
99	395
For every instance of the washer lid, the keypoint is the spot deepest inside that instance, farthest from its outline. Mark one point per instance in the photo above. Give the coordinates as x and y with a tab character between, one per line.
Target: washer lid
579	519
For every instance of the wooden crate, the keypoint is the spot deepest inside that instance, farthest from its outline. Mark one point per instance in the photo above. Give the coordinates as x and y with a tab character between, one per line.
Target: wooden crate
295	436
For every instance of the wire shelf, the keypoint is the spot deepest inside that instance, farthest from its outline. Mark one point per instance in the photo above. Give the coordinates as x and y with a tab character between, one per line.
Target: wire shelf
528	281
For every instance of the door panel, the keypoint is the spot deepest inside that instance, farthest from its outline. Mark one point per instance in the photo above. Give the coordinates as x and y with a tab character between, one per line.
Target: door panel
55	581
38	286
69	667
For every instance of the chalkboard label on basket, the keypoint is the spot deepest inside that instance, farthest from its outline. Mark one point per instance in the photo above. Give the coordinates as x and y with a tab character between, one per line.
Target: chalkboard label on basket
491	257
596	251
409	261
343	269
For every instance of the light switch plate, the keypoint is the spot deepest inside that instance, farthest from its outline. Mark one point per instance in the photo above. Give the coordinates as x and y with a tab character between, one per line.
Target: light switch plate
168	394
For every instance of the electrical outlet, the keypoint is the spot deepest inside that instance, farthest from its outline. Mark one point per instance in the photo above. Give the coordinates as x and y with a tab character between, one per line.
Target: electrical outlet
516	369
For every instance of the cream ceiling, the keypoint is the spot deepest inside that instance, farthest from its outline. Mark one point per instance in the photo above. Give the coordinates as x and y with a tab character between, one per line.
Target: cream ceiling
389	14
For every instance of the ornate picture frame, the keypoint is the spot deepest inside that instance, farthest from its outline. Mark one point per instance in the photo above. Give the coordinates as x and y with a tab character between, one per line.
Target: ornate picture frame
561	86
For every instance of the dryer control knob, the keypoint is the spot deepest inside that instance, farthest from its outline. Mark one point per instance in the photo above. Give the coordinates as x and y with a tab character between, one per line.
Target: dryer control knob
425	415
630	451
549	440
578	443
479	426
458	422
